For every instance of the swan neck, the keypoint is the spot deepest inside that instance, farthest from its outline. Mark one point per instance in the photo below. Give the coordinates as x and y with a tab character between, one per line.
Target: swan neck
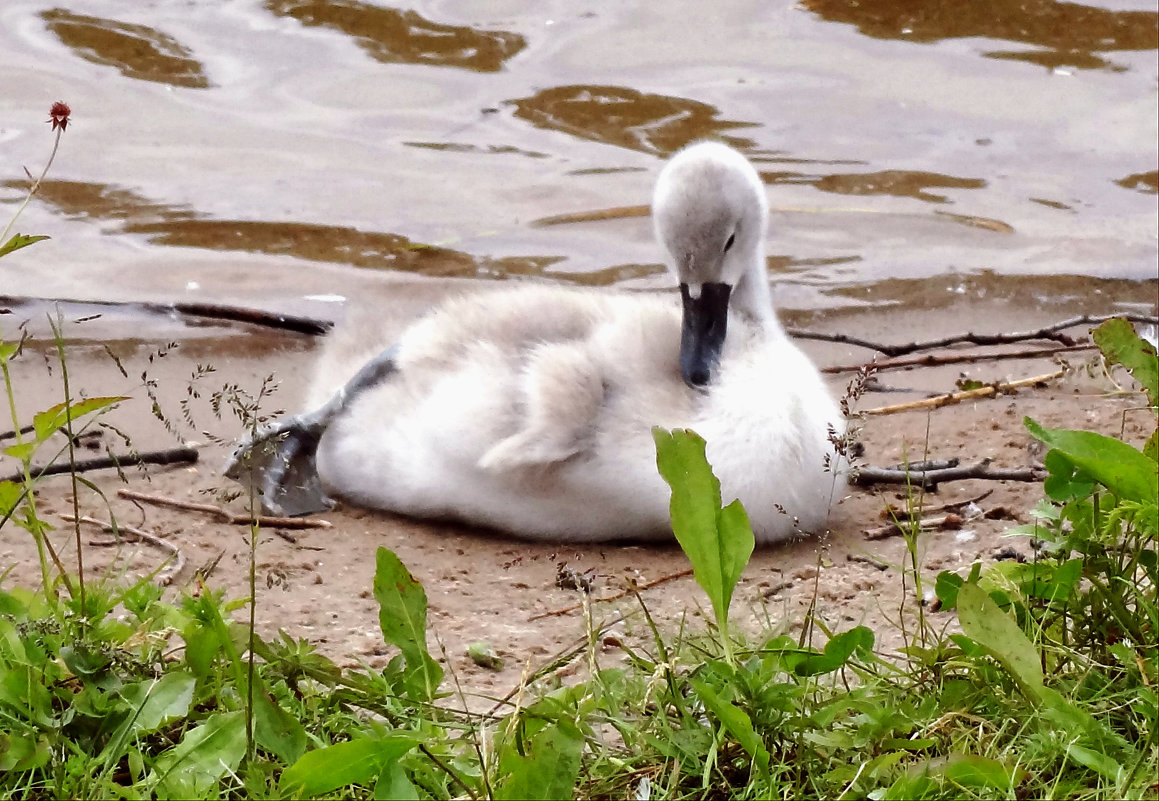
753	298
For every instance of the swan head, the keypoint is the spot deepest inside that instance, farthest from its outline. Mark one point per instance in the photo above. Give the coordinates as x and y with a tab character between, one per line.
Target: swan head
709	210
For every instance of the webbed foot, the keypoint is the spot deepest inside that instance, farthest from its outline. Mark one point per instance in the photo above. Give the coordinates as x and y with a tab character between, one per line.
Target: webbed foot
280	464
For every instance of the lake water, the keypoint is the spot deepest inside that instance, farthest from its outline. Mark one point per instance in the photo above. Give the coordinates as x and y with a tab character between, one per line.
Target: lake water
287	154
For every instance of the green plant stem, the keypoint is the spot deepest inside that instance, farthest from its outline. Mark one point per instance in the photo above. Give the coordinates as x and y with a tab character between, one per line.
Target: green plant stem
58	338
34	188
42	544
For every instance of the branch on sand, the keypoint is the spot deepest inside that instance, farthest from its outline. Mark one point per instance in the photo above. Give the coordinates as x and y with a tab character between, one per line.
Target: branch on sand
969	394
224	515
121	533
212	311
930	478
183	455
1052	332
937	359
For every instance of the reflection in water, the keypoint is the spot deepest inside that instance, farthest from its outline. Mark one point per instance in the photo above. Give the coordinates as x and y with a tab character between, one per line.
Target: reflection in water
79	200
1051	204
405	37
900	183
616	115
1142	181
985	223
181	227
136	50
489	150
1071	34
789	264
1098	295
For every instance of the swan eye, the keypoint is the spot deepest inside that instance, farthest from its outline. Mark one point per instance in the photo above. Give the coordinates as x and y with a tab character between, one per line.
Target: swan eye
728	242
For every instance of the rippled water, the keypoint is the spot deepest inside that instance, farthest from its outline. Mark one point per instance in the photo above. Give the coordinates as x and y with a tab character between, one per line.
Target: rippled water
272	153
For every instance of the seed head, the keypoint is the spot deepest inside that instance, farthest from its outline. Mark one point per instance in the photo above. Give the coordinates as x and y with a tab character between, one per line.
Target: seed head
59	114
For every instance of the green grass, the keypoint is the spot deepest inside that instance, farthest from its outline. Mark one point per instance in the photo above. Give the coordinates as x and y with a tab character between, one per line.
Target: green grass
1045	688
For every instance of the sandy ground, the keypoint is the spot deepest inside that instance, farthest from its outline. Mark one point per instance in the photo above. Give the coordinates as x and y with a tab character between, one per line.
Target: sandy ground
316	583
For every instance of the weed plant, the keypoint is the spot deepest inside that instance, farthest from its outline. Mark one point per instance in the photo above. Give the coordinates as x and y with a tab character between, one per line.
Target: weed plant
1045	688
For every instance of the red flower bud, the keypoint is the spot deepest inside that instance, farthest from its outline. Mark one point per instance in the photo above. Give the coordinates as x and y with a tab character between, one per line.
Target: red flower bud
59	115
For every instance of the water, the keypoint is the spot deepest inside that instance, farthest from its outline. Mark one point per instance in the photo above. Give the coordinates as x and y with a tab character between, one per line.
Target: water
288	154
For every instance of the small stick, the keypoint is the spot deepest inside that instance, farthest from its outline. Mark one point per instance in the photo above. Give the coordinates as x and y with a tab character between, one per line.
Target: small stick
286	322
952	506
616	597
867	560
934	359
957	397
223	515
164	577
1050	332
927	464
929	479
182	455
892	529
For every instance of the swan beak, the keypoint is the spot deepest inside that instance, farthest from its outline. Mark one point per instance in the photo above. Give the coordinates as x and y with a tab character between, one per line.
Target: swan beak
702	331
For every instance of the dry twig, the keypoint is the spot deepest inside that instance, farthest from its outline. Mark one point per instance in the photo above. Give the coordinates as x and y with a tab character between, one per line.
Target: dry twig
892	511
957	397
164	577
929	479
622	594
894	528
867	560
213	311
224	515
936	359
1050	332
183	455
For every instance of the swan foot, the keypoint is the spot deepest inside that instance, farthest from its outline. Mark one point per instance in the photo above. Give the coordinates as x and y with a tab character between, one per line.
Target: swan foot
280	463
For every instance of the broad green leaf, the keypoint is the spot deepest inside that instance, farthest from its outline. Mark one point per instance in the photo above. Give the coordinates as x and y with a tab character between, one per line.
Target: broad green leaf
22	452
971	770
1052	583
402	615
1102	764
1084	729
394	785
837	652
1151	448
25	753
736	722
155	703
990	627
718	542
946	588
23	691
548	769
1120	468
20	241
204	755
47	422
11	494
275	729
341	765
1121	345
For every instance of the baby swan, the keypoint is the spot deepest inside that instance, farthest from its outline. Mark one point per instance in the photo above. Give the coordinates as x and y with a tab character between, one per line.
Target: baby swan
530	410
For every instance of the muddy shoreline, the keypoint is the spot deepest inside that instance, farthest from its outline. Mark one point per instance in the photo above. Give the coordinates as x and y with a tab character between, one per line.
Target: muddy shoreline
484	587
